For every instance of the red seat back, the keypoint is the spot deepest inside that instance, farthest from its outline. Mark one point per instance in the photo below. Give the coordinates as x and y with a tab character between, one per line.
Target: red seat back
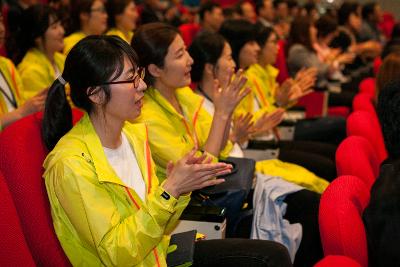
363	101
22	153
336	261
362	123
280	63
341	226
367	86
189	32
13	248
355	156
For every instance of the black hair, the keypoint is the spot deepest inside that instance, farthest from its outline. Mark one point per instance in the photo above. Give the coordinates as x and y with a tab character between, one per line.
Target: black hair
300	33
262	33
389	116
278	2
92	62
206	48
237	32
114	8
395	31
207	7
35	21
151	41
345	10
368	9
326	25
77	8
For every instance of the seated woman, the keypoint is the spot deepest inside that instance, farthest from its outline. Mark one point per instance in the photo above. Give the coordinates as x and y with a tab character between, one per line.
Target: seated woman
266	96
213	61
12	106
177	121
108	207
122	18
88	17
41	40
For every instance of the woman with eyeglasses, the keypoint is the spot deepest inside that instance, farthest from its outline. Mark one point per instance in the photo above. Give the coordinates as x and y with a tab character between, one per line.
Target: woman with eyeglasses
88	17
108	207
122	18
40	43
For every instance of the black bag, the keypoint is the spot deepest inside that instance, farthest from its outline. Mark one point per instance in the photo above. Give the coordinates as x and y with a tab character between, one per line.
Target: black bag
232	193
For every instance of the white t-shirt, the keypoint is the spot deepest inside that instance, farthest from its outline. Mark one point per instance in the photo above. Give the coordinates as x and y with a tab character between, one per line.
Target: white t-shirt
124	163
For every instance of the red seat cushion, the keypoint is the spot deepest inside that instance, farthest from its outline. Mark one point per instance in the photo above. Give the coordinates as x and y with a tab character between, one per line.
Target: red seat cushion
363	101
355	156
13	248
365	124
340	111
367	86
189	32
341	226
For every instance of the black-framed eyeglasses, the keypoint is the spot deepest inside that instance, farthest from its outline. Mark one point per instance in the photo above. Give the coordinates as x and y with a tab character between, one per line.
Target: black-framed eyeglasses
135	80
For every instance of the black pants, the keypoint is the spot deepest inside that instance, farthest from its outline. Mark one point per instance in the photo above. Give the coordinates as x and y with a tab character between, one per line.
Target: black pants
317	157
302	207
328	129
241	253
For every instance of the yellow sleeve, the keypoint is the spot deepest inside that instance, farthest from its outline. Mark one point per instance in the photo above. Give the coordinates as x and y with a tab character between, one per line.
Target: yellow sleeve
96	217
34	79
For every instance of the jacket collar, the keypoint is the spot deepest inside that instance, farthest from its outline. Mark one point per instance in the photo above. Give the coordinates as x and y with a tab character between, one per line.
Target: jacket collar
189	101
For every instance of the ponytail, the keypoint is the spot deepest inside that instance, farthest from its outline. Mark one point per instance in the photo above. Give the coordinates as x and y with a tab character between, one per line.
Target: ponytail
57	119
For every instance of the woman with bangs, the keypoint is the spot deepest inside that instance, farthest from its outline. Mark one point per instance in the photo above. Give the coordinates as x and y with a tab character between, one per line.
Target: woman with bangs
213	60
41	41
178	120
122	18
108	207
88	17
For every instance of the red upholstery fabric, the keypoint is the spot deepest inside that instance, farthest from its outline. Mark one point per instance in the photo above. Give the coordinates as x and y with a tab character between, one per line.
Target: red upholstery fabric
368	86
377	65
341	227
189	32
364	124
313	103
281	63
339	111
363	101
13	248
337	261
21	156
387	24
355	156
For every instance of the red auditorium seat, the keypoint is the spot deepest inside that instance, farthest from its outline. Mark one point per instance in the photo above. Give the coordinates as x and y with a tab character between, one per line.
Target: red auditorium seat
337	261
368	86
362	123
363	101
341	226
13	248
22	153
188	32
280	63
355	156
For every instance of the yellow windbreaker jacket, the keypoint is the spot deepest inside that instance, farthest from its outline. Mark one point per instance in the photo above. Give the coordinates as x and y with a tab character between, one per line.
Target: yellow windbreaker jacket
37	72
14	82
98	220
172	135
72	40
115	31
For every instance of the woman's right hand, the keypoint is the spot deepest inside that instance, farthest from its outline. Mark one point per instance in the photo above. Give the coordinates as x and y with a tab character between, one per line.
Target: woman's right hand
227	95
34	104
268	122
192	173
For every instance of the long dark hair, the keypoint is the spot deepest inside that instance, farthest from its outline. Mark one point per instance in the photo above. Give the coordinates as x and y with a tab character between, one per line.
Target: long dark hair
263	33
206	48
34	23
151	41
77	8
300	33
114	8
93	61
